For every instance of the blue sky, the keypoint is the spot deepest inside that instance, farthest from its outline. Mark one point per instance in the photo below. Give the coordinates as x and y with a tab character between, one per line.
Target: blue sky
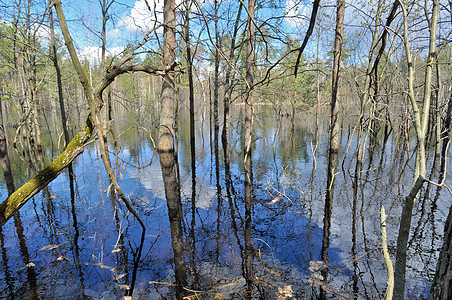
130	19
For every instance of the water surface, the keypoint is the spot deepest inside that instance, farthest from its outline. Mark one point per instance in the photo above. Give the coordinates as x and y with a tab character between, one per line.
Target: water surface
76	240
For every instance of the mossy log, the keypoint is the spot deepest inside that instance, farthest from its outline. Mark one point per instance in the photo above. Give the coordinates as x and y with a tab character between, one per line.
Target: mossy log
17	199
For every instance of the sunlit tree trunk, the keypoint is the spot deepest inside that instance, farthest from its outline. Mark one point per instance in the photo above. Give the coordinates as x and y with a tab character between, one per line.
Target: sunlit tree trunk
248	143
249	80
4	157
228	86
216	72
54	56
442	283
191	96
333	139
338	41
420	126
166	147
168	112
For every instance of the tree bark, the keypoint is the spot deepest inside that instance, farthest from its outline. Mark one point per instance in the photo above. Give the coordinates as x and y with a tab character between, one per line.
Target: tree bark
54	55
421	122
249	201
442	283
191	96
228	86
75	147
216	72
4	157
17	199
168	113
338	41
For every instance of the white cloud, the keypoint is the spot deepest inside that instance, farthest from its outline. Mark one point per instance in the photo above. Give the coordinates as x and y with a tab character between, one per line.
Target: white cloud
43	34
116	51
114	33
297	12
141	19
93	54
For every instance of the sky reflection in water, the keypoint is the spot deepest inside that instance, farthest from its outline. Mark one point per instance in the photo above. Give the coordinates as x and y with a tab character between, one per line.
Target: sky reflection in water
72	247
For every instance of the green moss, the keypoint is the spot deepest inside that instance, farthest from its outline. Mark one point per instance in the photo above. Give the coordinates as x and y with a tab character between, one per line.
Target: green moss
17	199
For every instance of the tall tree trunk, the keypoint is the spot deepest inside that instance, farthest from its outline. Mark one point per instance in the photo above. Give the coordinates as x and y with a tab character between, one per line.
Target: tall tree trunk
228	86
4	157
54	56
249	80
168	113
421	122
216	71
166	146
442	282
333	148
248	143
191	96
338	41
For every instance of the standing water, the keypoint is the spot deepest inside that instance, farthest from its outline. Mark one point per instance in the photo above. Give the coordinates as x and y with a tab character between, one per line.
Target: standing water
77	240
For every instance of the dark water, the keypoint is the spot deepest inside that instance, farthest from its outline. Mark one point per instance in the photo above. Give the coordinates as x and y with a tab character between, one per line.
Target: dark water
77	240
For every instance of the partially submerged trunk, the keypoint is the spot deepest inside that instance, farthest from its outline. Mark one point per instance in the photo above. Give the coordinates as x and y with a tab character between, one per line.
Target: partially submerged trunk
17	199
249	200
421	117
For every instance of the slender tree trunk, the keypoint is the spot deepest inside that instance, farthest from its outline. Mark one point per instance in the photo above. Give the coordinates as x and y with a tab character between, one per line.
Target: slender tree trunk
421	124
216	71
166	147
442	282
249	80
228	86
16	200
168	113
333	139
190	82
58	74
4	157
248	143
338	41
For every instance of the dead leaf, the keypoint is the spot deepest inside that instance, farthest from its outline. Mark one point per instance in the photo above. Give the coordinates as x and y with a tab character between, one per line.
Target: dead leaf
104	266
63	258
121	276
316	265
116	250
49	247
284	292
124	287
274	200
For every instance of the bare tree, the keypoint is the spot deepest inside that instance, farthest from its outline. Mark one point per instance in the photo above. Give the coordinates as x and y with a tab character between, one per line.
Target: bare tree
421	118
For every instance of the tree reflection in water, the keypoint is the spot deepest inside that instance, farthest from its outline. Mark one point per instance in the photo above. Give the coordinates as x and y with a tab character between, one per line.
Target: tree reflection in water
209	230
173	201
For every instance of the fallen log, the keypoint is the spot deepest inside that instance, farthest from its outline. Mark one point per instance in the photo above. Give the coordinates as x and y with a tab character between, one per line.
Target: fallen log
17	199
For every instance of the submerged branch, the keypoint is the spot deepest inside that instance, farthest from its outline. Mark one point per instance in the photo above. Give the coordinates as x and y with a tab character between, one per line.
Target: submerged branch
17	199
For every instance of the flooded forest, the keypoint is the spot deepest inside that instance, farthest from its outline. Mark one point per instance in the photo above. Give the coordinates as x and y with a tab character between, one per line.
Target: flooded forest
215	149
